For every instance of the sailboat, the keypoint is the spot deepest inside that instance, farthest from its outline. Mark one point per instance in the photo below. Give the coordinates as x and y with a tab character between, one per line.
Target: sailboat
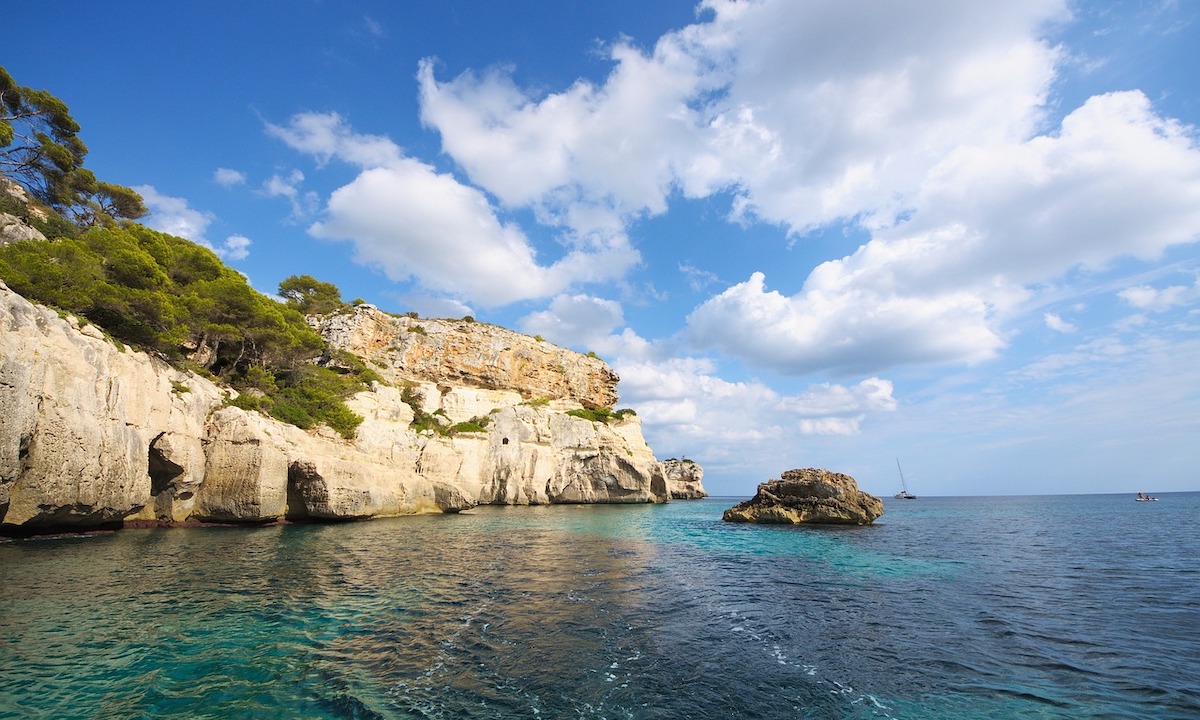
904	494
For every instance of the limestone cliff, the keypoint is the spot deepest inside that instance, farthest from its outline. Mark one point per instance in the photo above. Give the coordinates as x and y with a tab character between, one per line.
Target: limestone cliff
471	354
685	479
93	433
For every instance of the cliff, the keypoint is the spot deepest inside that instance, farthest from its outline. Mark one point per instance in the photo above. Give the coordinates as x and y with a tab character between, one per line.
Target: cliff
93	433
470	354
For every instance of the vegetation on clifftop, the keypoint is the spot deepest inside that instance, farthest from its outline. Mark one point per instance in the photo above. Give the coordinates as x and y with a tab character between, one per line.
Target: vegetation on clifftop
176	299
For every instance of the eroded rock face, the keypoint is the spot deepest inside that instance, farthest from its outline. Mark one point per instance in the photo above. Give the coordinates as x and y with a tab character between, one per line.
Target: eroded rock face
78	418
92	433
685	479
470	354
808	496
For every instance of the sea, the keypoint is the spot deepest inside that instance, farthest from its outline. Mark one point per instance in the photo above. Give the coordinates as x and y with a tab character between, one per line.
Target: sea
947	607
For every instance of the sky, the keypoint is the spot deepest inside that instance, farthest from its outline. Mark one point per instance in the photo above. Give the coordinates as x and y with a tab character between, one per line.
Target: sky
957	235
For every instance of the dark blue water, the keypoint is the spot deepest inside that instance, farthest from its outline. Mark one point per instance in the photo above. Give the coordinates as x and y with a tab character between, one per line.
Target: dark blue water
1032	607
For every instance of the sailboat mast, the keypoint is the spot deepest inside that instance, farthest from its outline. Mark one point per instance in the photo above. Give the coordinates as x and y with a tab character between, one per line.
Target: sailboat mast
903	484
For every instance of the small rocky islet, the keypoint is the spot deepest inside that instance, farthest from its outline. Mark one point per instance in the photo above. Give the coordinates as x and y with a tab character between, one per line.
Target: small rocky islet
808	496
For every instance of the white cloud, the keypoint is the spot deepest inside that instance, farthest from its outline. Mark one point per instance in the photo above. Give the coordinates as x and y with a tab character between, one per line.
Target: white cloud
842	328
808	112
374	28
326	136
174	216
411	221
235	247
988	224
1057	324
924	125
433	307
1145	297
687	408
304	204
575	320
226	177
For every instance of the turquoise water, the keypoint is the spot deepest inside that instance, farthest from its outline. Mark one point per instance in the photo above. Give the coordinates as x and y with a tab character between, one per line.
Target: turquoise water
1033	607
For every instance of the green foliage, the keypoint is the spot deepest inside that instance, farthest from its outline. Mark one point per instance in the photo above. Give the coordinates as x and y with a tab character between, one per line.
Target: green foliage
172	297
601	414
466	427
468	319
313	394
418	330
310	296
41	150
350	364
592	354
598	415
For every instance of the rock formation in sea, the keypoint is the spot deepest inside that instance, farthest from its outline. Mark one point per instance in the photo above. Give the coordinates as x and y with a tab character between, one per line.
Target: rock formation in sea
685	479
808	496
94	433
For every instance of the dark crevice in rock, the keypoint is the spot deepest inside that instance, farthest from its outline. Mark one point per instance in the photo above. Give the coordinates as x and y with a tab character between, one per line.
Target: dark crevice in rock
163	471
303	479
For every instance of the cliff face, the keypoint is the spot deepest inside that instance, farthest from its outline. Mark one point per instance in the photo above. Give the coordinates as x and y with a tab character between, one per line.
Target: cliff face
471	354
92	433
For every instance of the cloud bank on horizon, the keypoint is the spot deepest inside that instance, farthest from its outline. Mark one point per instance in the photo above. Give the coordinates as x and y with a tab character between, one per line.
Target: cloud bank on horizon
982	208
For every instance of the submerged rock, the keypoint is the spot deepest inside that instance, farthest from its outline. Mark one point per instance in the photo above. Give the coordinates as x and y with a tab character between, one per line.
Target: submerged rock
811	495
685	479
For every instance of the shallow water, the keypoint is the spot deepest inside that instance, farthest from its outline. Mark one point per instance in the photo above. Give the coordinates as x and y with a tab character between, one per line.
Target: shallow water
1035	607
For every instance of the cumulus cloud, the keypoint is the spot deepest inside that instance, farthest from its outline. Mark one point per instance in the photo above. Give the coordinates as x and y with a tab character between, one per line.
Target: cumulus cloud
685	405
697	279
575	320
414	222
808	112
928	127
235	247
226	177
987	224
173	215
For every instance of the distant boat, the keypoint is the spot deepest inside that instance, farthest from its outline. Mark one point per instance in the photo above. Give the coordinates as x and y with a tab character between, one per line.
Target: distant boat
1142	497
903	494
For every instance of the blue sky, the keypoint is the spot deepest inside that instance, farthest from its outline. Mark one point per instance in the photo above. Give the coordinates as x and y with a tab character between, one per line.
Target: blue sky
806	234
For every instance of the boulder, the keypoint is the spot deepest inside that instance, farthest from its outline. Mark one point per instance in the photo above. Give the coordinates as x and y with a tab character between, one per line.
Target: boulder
808	496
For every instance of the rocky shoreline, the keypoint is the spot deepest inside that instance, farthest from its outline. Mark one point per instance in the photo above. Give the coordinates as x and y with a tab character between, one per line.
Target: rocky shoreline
95	434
